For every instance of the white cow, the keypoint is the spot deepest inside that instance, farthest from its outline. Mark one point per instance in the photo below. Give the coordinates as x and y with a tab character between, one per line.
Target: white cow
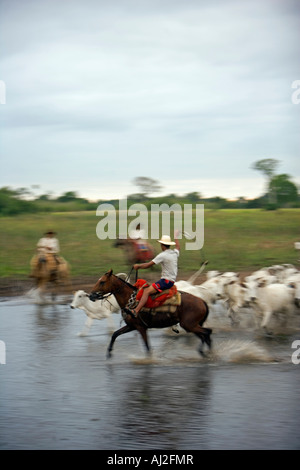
253	282
211	274
210	290
294	282
95	310
271	275
273	298
233	293
280	272
289	270
206	291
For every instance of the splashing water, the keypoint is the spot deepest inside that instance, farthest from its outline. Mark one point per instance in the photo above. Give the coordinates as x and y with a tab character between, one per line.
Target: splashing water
240	351
144	360
228	351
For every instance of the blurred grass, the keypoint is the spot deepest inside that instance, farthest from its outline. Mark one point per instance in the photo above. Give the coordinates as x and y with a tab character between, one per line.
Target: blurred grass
235	239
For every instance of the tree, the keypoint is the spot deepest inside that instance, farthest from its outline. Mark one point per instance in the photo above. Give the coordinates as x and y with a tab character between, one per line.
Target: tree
11	202
44	197
193	196
267	166
286	191
147	185
68	197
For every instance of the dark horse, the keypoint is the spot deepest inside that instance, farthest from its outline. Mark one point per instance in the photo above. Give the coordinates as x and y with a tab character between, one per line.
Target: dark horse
191	314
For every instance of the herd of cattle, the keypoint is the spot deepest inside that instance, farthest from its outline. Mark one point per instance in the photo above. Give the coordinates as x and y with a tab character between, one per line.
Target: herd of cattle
271	290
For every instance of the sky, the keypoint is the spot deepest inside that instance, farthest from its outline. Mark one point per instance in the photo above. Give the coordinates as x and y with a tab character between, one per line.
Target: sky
188	92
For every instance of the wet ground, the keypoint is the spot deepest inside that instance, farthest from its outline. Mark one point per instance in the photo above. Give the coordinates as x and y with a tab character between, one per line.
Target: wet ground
58	390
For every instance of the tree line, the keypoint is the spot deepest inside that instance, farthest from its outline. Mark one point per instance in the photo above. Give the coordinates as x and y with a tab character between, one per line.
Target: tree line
280	192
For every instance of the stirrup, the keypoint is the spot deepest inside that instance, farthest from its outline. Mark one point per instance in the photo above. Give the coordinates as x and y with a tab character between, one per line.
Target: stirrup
130	312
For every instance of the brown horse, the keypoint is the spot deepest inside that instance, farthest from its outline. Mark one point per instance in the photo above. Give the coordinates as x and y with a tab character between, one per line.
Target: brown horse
45	269
135	251
191	314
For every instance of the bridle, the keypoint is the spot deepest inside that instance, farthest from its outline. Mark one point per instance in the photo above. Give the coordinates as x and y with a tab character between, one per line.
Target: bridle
99	296
104	295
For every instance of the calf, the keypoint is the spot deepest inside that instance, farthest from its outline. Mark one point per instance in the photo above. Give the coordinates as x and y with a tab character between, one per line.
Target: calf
294	282
252	284
234	296
95	310
207	290
210	290
273	298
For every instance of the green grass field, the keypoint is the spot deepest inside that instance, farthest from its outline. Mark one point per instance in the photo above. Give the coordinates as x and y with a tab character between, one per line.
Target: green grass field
238	240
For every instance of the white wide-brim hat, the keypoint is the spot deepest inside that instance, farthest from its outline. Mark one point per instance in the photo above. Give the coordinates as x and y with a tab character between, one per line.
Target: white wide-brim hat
166	240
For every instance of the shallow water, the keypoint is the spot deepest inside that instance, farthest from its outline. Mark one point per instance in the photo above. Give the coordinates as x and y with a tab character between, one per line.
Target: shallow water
58	390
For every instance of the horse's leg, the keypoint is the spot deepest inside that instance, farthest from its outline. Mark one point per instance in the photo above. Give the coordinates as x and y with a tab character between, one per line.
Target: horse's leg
117	333
41	287
200	332
192	314
143	333
204	335
54	286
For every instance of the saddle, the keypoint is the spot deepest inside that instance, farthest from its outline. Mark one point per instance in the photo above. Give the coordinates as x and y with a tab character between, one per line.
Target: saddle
48	260
162	302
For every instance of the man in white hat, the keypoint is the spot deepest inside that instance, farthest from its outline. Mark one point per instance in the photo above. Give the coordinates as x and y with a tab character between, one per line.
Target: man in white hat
169	261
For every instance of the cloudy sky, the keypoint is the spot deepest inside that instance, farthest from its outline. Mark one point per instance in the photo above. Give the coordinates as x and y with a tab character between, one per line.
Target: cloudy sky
188	92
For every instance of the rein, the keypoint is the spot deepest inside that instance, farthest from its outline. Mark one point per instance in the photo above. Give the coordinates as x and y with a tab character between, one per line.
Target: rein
100	296
129	274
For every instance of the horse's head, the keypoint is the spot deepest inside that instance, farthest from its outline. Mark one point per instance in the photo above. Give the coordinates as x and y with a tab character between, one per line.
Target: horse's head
104	285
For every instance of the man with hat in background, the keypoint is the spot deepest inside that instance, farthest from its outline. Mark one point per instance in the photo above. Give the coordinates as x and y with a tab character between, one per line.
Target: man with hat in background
47	251
169	261
48	244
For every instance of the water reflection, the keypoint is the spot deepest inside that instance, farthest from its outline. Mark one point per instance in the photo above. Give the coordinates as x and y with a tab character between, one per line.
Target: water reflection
58	391
157	408
49	322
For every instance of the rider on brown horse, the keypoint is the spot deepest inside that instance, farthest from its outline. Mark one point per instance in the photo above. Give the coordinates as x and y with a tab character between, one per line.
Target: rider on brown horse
169	261
47	252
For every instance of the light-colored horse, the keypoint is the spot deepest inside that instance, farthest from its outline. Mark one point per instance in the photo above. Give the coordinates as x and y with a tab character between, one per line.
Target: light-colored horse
46	269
